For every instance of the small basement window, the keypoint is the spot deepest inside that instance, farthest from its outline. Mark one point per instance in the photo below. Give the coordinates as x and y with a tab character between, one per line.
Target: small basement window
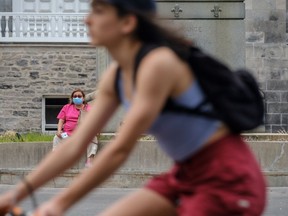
50	109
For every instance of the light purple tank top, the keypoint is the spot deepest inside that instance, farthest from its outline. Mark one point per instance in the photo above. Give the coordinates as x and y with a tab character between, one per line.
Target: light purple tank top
181	135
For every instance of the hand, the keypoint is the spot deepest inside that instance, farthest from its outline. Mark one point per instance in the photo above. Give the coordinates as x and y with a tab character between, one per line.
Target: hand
58	134
50	208
6	202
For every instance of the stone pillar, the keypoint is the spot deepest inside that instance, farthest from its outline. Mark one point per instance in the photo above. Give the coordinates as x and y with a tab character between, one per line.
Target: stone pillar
266	55
217	26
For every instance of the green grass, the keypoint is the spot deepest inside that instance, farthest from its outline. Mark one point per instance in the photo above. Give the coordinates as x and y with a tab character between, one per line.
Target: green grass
11	136
36	137
27	137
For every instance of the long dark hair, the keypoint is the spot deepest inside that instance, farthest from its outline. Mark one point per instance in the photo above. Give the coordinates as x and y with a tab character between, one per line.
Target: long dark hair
150	31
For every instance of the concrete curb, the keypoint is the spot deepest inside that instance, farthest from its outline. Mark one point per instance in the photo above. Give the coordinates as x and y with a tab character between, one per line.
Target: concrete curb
121	179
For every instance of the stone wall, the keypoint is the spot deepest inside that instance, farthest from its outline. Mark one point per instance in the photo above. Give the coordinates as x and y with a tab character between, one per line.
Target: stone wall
267	57
29	72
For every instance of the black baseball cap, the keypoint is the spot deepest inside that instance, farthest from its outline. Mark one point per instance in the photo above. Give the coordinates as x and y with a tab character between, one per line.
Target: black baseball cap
141	6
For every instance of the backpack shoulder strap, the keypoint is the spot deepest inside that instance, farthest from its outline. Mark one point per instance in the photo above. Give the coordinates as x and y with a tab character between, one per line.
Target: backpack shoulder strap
116	83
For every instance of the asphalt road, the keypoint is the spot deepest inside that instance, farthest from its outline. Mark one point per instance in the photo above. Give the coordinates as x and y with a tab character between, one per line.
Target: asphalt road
100	199
94	203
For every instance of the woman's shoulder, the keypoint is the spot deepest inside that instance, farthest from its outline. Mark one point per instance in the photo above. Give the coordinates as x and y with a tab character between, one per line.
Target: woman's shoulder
166	67
165	52
68	106
162	57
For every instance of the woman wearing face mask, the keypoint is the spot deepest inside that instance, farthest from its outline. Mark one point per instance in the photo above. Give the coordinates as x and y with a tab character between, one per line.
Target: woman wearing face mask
69	119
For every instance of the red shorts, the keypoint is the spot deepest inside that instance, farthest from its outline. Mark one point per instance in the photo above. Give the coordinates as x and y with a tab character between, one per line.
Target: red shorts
222	179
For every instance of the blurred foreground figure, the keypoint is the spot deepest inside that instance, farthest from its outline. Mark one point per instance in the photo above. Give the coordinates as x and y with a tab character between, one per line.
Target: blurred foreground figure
214	173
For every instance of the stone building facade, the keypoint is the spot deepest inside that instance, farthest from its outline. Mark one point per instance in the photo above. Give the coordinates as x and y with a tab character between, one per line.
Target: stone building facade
30	73
267	57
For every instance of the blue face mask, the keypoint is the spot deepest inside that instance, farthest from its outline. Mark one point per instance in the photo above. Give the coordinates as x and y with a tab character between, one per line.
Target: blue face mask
78	101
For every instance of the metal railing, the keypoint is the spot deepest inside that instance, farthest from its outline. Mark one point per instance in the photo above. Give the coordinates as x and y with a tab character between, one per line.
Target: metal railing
43	27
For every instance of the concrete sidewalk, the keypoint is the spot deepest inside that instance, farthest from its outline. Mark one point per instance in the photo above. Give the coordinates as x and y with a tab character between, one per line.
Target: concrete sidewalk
102	198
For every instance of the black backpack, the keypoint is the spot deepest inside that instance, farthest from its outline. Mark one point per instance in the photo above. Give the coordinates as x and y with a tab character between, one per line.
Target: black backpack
235	95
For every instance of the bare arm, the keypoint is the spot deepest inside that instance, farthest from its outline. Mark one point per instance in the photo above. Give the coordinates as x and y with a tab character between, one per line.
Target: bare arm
59	127
73	147
152	92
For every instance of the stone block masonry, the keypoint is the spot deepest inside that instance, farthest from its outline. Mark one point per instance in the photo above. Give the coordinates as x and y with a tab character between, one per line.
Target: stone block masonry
266	56
269	64
29	72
